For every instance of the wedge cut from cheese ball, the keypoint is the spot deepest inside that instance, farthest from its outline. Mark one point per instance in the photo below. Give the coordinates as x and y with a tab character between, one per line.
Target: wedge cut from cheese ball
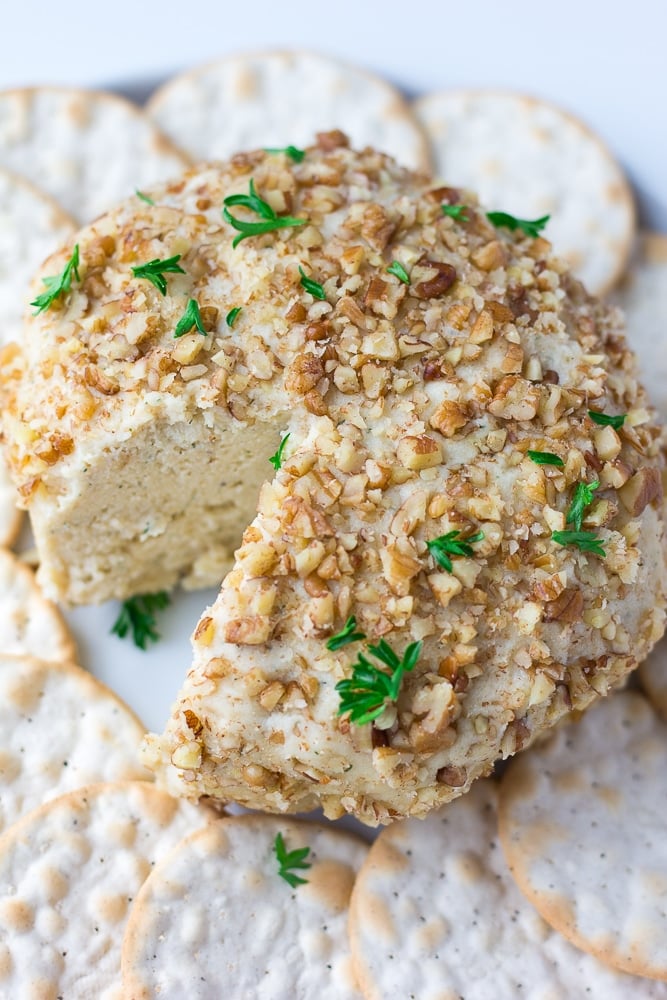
411	408
215	918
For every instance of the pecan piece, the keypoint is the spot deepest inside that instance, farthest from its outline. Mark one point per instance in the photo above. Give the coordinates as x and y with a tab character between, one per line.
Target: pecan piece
568	607
641	490
328	141
436	286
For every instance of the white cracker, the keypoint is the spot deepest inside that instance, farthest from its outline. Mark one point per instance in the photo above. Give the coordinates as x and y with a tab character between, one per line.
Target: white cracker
68	875
29	624
436	915
642	294
531	159
11	518
87	149
282	98
216	920
653	677
60	728
582	821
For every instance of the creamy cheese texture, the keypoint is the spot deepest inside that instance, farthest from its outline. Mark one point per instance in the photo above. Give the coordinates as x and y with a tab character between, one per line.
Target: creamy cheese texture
410	408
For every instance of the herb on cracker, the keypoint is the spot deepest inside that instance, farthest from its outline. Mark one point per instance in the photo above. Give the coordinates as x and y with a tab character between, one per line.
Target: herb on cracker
545	458
293	152
604	420
58	284
311	286
369	690
456	212
346	635
137	615
531	227
586	541
254	203
191	319
397	269
277	459
583	498
232	315
289	861
155	270
144	197
452	544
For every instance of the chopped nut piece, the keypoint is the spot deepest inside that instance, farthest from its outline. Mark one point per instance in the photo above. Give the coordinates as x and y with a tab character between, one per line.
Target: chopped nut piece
568	607
641	490
450	417
419	453
441	282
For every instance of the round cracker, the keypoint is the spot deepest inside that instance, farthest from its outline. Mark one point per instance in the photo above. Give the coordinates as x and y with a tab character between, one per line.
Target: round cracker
69	873
29	624
60	728
273	99
582	827
216	919
642	294
11	518
529	158
653	677
86	148
436	915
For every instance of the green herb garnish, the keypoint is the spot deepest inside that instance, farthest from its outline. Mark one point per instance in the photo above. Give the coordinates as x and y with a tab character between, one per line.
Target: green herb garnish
254	203
290	860
311	286
587	541
545	458
143	197
232	315
155	270
190	319
293	152
137	615
531	227
277	459
397	269
370	689
604	420
58	284
455	212
346	635
452	545
583	498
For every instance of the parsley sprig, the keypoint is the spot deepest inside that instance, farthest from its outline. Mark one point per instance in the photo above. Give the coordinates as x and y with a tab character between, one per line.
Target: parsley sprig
315	289
137	615
397	269
252	201
58	284
605	420
586	541
232	316
155	270
277	459
456	212
545	458
144	197
346	635
531	227
191	319
452	544
293	152
289	861
583	498
369	690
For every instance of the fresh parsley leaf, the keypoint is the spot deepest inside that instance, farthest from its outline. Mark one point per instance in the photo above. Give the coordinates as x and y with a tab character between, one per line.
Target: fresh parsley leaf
604	420
232	316
455	212
452	545
293	152
288	861
346	635
545	458
137	615
144	197
584	540
397	269
254	203
311	286
277	459
369	690
531	227
190	319
583	498
58	284
155	270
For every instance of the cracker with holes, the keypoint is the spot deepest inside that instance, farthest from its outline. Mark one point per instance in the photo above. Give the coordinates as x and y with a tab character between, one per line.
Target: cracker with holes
275	98
216	918
85	148
583	829
69	873
530	159
435	915
60	728
29	624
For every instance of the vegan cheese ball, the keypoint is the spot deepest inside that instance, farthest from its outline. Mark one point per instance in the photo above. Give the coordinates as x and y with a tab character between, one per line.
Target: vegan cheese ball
445	504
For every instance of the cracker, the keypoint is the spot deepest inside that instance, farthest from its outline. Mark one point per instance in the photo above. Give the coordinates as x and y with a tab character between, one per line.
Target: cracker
29	624
86	148
279	98
11	518
642	294
69	873
215	919
60	728
653	677
436	915
529	158
582	826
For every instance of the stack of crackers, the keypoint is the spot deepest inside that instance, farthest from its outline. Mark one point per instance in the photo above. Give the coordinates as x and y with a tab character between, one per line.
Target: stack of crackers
548	884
